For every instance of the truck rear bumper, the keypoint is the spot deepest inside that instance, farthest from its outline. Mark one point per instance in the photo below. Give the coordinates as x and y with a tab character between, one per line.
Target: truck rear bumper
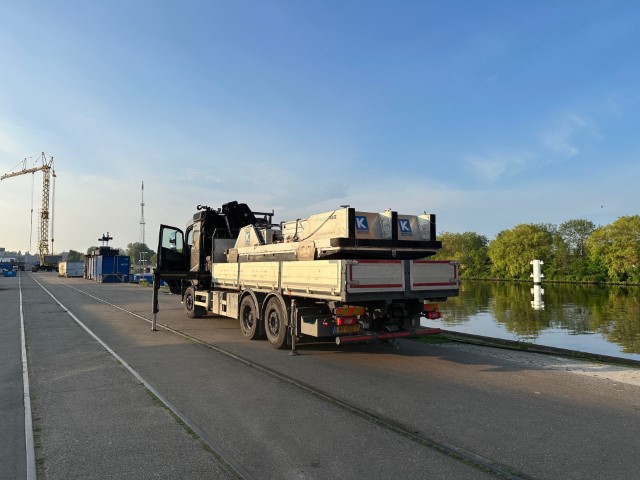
374	337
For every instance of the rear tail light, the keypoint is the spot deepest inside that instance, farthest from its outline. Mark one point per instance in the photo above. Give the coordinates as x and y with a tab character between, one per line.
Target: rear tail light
430	307
340	321
434	315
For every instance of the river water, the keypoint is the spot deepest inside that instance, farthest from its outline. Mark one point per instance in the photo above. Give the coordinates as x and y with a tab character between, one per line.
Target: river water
595	319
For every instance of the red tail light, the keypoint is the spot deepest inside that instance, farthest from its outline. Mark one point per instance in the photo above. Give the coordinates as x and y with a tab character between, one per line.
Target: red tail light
430	307
434	315
340	321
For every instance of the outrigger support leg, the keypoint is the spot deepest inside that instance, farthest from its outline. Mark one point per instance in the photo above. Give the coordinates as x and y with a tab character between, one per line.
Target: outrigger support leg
154	301
293	321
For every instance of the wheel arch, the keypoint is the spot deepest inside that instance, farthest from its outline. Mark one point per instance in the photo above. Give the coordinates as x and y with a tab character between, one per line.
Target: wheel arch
184	285
192	310
283	302
275	314
260	306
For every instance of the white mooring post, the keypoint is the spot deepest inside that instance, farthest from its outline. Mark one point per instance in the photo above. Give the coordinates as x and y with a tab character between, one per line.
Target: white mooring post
537	271
537	290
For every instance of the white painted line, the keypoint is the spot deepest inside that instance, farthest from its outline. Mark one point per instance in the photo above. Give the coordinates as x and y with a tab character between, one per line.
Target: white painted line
238	469
28	421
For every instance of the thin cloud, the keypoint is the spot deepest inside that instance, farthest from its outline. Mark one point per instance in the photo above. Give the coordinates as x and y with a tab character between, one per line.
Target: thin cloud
562	139
494	167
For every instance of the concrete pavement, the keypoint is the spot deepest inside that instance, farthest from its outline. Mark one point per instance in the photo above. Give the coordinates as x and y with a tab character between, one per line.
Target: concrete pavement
12	436
92	419
274	430
548	423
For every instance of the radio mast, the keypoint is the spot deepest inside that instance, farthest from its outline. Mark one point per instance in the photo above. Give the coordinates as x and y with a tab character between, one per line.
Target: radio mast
142	222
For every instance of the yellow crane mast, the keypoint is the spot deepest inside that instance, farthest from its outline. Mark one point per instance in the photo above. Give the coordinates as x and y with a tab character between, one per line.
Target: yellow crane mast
46	167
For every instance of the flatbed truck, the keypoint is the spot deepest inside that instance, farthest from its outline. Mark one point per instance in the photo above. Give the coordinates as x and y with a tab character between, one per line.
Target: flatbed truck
344	275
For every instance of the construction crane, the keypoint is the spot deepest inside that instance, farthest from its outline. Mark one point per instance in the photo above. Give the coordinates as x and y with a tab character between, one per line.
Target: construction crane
46	167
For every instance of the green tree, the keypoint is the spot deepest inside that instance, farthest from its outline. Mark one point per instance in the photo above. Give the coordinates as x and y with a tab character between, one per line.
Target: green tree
558	263
75	256
138	251
617	247
575	233
469	248
512	250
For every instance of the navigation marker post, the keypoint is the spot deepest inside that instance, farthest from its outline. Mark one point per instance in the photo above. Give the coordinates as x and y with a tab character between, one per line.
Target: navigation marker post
537	291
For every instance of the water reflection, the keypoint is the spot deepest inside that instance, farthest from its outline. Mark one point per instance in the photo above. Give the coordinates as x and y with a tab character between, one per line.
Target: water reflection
597	319
537	303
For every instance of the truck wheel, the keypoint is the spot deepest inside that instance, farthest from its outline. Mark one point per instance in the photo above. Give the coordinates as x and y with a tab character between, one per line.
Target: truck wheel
192	310
275	323
248	315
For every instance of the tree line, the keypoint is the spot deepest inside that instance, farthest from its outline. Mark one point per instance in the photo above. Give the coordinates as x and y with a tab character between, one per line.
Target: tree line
575	250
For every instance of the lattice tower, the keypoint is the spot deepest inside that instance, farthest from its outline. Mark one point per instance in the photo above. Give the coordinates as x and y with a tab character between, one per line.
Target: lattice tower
142	222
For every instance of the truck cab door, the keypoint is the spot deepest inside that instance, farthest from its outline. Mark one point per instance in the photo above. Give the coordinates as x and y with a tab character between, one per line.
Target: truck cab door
172	255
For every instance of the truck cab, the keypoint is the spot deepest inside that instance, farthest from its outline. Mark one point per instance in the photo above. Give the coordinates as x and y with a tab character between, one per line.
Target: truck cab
206	238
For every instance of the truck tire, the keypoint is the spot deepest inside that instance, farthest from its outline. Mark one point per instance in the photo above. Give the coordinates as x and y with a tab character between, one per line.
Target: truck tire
192	310
249	317
275	322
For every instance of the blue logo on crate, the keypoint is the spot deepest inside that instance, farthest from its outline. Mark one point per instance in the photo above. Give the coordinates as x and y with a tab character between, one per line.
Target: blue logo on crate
362	225
404	227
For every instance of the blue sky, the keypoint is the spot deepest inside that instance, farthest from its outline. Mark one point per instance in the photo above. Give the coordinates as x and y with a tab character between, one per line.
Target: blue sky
488	114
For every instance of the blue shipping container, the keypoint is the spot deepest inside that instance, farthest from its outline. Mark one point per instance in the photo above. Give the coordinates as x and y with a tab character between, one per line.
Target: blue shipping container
111	269
139	277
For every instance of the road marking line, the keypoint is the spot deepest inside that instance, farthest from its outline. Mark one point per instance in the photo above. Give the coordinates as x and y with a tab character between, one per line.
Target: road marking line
219	452
28	420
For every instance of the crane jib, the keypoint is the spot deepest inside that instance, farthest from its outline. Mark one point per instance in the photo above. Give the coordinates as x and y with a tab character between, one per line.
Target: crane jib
47	172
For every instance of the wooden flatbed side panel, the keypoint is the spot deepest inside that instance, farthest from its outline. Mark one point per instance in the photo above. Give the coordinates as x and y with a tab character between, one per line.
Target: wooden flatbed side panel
314	277
259	274
225	274
366	276
433	275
